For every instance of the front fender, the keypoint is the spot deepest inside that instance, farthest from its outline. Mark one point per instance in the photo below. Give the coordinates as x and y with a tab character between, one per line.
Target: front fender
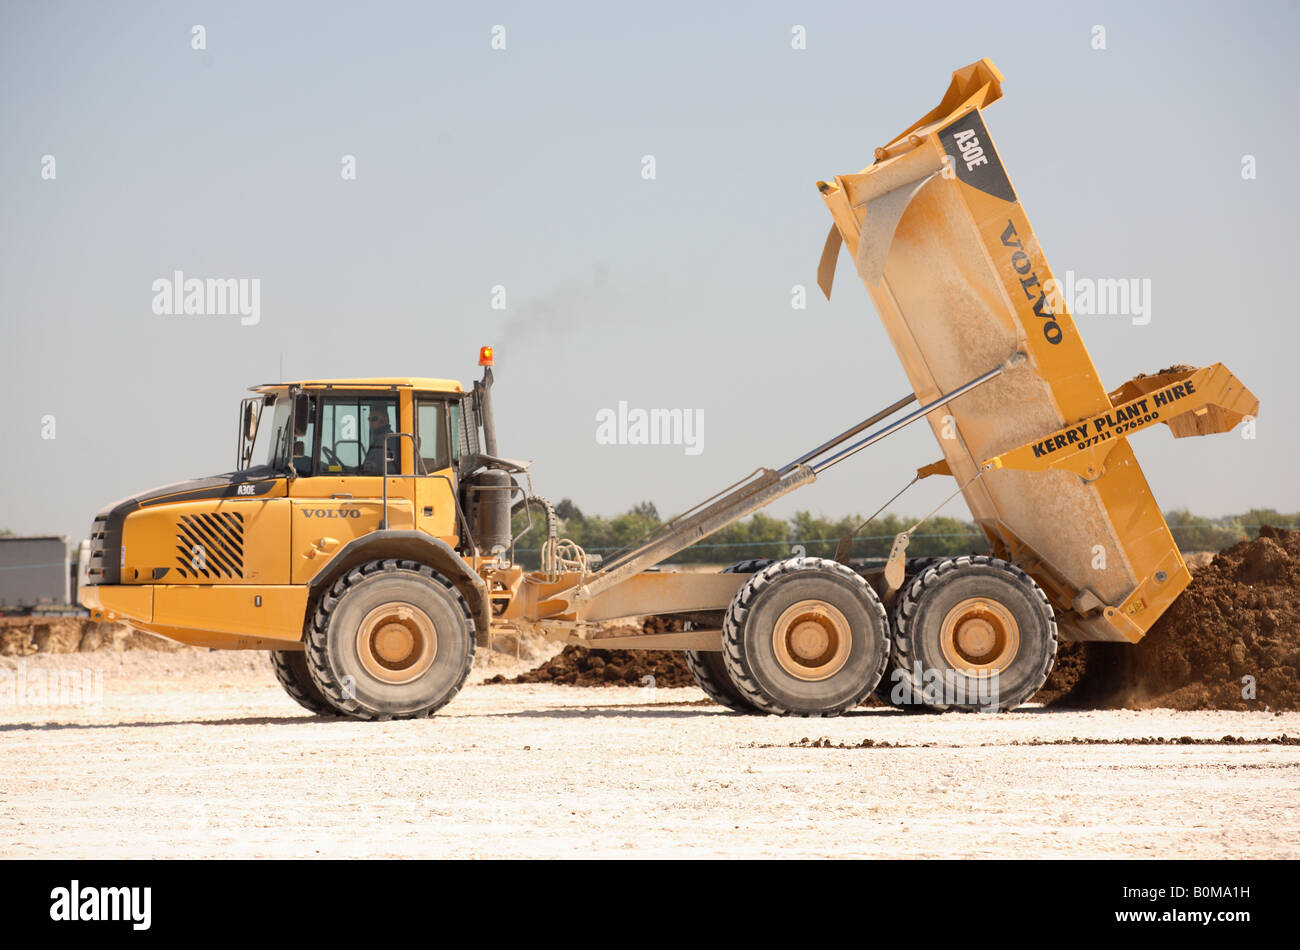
413	546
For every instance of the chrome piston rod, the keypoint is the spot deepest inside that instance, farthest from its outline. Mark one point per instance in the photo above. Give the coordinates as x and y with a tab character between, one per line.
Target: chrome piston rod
874	437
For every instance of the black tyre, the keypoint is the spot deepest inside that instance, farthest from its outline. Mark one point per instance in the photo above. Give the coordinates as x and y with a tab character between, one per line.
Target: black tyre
290	668
891	691
915	565
750	565
806	636
973	633
708	667
390	640
710	672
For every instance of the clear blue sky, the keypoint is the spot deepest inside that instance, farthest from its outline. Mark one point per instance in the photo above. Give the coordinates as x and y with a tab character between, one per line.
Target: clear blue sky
522	168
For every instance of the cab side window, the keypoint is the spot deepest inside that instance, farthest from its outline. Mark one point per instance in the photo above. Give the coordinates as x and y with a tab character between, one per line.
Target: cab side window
431	420
352	431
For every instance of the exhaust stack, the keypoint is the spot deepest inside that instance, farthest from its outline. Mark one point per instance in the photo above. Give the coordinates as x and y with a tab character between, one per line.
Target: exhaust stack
483	390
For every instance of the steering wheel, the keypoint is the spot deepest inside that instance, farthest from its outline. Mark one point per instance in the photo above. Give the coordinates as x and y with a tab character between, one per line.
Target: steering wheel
329	455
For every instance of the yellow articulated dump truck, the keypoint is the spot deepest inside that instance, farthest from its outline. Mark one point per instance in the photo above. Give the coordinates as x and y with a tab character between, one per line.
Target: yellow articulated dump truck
365	535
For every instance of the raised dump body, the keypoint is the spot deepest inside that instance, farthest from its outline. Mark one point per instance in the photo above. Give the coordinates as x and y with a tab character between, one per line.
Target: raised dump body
961	283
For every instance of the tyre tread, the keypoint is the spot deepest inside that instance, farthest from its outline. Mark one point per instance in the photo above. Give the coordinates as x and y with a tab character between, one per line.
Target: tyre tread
309	699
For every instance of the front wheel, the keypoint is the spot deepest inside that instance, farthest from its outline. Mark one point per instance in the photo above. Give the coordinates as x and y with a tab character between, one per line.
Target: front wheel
390	640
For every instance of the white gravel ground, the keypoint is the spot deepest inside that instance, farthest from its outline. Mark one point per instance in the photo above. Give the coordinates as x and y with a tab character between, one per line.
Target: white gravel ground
200	755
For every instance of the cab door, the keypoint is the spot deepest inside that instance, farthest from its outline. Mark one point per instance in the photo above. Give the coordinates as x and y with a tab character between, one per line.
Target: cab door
436	418
338	494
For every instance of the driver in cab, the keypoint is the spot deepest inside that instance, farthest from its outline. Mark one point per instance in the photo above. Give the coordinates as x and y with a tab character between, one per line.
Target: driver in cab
379	429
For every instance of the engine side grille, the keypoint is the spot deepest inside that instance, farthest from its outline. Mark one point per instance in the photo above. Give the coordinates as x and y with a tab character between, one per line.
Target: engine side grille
467	436
469	425
211	545
98	545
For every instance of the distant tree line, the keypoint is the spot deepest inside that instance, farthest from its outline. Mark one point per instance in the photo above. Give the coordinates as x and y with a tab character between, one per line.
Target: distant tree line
762	535
1197	533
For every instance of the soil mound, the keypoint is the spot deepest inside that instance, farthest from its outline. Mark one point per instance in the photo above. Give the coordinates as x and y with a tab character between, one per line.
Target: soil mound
1231	641
579	666
24	636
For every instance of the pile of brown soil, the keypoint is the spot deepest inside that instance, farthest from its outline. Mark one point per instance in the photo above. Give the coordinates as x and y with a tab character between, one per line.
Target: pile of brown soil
1071	661
1231	641
24	636
579	666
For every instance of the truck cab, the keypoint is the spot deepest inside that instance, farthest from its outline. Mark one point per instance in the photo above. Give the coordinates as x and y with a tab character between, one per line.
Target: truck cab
323	466
357	455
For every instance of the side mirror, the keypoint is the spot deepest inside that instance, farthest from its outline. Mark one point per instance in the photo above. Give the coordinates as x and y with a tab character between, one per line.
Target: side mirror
301	414
250	414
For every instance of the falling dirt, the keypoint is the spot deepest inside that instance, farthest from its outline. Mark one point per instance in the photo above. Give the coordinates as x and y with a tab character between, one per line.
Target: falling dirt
1071	661
1231	641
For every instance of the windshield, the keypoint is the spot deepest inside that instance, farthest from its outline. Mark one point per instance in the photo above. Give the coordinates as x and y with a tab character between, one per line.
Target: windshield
272	447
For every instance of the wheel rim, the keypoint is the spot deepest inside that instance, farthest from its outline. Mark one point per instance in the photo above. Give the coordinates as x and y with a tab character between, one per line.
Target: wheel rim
396	642
979	636
812	640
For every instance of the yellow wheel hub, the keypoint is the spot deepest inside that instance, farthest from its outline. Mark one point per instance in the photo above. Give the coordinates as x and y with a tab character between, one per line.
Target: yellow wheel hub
812	640
979	636
396	642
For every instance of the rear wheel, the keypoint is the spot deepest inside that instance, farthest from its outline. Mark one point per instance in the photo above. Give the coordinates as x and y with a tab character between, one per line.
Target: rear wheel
390	640
805	636
973	633
290	668
708	667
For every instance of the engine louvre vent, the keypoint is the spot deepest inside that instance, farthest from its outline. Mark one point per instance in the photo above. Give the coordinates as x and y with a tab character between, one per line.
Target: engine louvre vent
211	545
98	559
